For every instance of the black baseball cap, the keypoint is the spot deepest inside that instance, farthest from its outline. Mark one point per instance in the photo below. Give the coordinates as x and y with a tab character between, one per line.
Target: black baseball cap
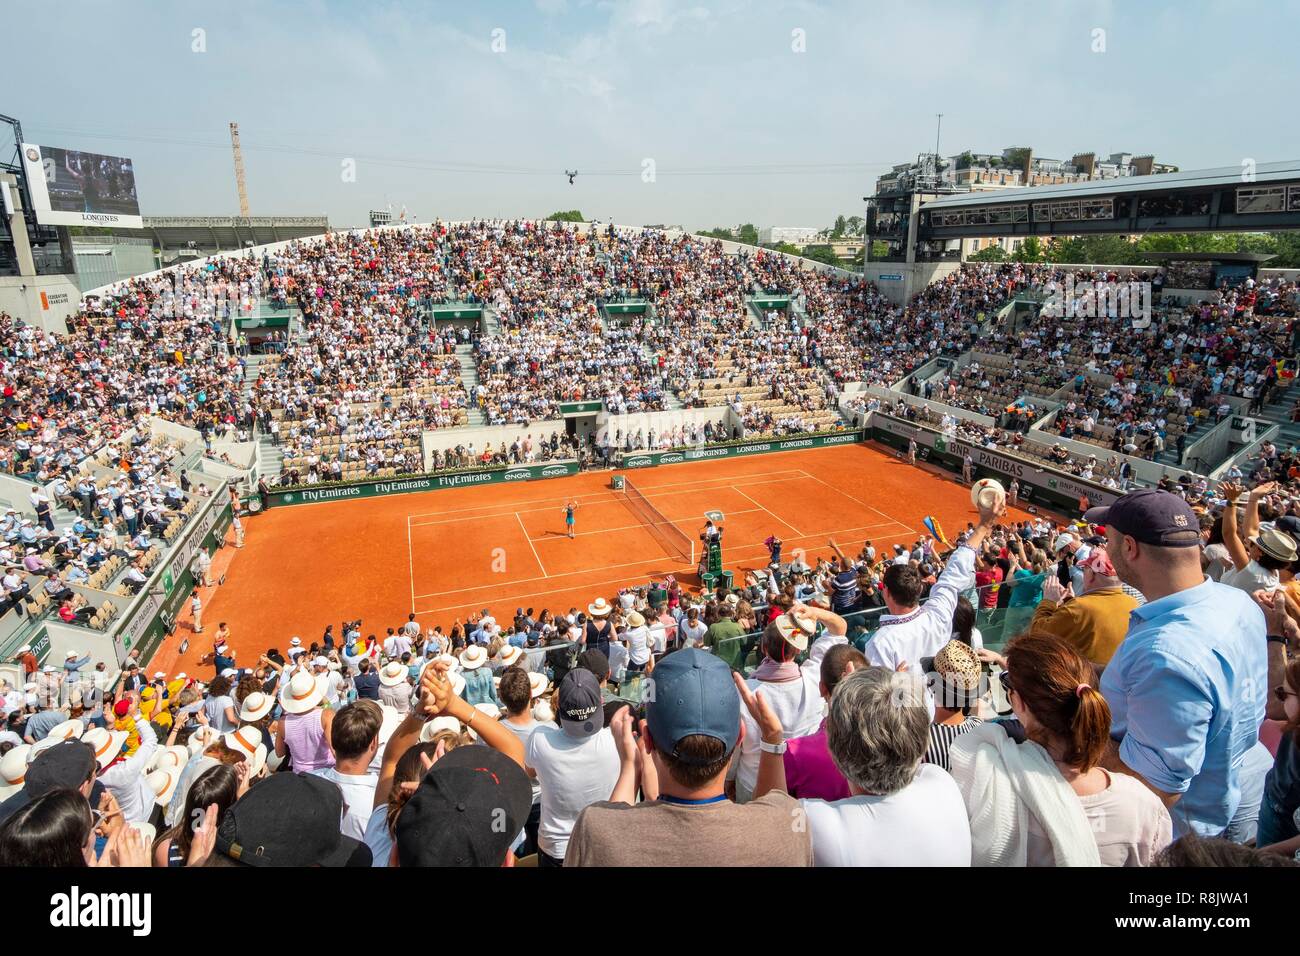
290	819
581	708
454	818
1153	517
67	765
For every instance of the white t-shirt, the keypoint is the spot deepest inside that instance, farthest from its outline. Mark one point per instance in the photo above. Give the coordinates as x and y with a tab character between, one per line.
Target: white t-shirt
358	799
800	706
1253	577
692	636
617	660
924	824
574	772
638	644
215	708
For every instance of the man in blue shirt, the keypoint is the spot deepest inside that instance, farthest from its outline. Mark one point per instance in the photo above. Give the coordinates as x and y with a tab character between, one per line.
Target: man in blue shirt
1187	686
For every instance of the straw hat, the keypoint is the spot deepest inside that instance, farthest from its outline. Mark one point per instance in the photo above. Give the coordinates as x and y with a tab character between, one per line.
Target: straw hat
107	744
13	770
248	741
255	706
538	684
635	619
393	674
1276	544
795	630
510	655
473	657
301	693
600	608
164	781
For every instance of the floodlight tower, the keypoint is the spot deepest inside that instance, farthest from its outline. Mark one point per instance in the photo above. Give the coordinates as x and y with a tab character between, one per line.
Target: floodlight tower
239	170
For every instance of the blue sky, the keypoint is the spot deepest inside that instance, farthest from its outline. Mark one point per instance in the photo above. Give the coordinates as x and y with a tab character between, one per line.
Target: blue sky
740	126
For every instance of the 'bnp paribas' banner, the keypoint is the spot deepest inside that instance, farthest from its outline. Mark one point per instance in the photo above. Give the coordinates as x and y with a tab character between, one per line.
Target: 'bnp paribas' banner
650	459
1037	483
406	486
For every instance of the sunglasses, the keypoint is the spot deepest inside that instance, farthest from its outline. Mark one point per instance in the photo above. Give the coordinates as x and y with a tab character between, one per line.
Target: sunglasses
1281	693
1005	678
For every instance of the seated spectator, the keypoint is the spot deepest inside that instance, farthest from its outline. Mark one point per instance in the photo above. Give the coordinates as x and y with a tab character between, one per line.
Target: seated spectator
1094	622
956	684
900	810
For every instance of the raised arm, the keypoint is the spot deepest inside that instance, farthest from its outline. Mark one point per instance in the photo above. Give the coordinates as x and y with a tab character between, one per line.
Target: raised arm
1231	538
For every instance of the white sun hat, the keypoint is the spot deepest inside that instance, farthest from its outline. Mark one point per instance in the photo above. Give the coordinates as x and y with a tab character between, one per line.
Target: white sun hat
491	710
256	706
164	781
539	684
107	744
510	655
437	725
393	674
68	730
13	770
202	738
301	693
248	741
473	657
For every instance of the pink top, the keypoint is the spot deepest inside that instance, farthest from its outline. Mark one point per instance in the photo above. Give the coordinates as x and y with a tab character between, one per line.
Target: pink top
304	737
810	773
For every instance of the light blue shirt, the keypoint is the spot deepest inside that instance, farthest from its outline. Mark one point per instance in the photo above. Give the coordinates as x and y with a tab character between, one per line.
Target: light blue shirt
1186	690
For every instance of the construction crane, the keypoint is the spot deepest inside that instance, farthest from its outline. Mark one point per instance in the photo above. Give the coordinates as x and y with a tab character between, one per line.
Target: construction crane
239	170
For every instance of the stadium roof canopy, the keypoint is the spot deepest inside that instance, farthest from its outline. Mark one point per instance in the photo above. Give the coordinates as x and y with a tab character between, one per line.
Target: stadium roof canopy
1221	176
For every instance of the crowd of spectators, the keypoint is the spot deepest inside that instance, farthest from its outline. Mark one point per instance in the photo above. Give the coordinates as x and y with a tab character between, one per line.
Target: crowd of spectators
1120	691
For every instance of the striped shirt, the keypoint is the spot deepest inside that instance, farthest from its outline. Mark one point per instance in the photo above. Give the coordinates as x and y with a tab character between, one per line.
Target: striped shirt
941	738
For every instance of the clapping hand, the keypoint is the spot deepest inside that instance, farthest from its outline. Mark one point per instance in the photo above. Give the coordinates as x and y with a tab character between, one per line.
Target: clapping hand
769	724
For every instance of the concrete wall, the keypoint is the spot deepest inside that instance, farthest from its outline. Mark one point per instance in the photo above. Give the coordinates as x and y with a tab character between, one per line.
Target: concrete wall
20	296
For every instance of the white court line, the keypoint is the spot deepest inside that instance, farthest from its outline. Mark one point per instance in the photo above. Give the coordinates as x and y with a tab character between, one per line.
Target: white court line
778	517
612	500
536	556
732	551
607	493
410	562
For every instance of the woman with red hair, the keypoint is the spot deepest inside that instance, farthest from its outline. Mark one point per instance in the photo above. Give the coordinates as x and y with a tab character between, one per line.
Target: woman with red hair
1034	789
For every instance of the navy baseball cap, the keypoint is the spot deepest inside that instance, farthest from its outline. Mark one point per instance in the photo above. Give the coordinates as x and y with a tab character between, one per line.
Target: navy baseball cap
1153	517
581	710
693	694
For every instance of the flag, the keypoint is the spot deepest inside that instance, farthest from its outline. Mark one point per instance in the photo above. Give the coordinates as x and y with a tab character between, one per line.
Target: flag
936	529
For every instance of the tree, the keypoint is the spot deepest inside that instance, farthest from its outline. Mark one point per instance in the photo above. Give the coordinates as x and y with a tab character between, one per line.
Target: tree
719	233
821	254
854	225
837	230
1031	250
748	234
990	253
571	215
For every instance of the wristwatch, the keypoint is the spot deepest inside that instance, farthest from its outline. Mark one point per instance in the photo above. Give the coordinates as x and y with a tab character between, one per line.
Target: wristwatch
764	746
1277	639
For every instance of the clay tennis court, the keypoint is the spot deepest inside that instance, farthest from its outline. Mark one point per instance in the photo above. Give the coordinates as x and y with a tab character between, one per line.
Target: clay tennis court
448	554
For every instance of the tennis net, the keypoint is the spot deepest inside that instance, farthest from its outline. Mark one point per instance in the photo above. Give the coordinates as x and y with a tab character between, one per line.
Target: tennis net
672	538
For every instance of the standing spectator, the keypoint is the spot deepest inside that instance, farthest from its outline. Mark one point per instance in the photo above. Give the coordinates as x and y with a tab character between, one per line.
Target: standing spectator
691	729
955	679
305	726
1186	687
576	763
1093	623
354	741
1035	789
911	630
810	769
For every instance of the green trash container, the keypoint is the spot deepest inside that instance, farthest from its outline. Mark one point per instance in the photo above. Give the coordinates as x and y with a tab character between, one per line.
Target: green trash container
709	580
726	579
617	482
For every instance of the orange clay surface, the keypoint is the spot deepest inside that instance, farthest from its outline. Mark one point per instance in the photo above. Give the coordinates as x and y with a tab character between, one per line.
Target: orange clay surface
447	554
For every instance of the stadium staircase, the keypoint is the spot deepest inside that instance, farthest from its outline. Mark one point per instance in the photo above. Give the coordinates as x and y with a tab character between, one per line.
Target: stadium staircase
270	457
491	321
1279	413
469	378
